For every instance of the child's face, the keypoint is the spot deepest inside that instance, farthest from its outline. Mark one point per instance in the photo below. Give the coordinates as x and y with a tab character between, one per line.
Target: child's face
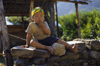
39	16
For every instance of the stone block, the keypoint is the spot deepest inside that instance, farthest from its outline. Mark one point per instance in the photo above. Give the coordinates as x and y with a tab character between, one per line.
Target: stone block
81	47
39	61
85	64
92	61
89	43
30	52
85	54
19	63
55	59
63	63
40	65
94	54
70	55
55	64
95	45
59	49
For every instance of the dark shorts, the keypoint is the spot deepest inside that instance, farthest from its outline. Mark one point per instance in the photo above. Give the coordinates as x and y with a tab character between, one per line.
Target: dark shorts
48	41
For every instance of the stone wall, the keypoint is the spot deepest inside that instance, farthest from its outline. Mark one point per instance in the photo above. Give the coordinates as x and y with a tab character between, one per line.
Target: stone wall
88	55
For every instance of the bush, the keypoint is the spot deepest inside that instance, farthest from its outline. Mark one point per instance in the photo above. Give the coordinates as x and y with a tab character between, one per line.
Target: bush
90	25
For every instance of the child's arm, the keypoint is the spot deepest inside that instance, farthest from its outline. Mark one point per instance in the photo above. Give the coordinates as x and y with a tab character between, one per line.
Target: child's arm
47	31
28	38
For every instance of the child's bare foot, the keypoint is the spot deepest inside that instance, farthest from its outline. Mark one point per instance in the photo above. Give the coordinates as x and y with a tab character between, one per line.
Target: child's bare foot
50	49
74	48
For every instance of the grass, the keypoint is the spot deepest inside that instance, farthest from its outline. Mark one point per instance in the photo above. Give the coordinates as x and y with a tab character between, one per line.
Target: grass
2	61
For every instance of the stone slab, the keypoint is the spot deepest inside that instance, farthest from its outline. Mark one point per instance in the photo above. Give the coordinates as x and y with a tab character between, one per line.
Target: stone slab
89	43
79	43
30	52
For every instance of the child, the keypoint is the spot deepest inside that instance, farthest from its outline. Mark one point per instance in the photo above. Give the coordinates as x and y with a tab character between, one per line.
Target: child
40	32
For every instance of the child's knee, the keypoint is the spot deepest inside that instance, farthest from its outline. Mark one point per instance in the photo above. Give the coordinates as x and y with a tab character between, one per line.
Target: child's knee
32	42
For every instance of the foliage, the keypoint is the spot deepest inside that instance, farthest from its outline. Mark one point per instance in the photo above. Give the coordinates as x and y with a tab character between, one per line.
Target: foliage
68	24
16	19
90	25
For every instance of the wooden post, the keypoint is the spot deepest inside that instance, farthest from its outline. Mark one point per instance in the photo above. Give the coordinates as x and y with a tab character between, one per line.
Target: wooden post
31	8
51	25
5	41
57	19
23	24
79	26
53	15
1	46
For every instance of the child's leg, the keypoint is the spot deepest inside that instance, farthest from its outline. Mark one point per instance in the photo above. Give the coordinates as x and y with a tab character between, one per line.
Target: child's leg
36	44
74	48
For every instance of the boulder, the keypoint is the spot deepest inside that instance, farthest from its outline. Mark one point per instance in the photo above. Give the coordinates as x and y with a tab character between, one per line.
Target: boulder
59	49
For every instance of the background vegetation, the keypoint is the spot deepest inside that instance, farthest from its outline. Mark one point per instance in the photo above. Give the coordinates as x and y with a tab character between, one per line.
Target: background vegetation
90	25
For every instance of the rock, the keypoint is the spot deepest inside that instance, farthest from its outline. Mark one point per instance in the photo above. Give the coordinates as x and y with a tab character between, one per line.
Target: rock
94	54
19	63
39	61
22	62
70	55
40	65
29	52
85	54
91	61
81	45
93	65
41	53
59	49
95	45
64	63
85	64
78	61
22	52
55	59
55	64
89	42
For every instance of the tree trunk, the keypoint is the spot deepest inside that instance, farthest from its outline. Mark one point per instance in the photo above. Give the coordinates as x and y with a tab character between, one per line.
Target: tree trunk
79	26
5	39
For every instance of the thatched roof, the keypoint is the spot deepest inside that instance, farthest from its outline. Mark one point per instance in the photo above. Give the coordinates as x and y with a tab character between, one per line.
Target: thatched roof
19	7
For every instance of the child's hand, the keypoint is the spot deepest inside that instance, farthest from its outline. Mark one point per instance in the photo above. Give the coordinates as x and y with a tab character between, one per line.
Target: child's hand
40	23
